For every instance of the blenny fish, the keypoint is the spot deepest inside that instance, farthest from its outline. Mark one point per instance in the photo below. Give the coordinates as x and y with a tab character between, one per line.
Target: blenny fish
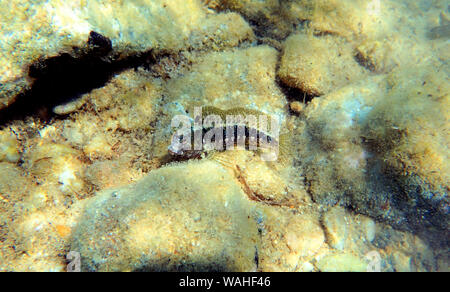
441	31
223	130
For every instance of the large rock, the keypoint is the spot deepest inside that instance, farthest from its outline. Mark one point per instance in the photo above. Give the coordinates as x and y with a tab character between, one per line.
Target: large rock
32	30
236	78
374	146
318	65
175	219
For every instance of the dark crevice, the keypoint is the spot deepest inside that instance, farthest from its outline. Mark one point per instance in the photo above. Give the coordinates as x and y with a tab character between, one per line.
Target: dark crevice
295	94
262	27
266	28
291	93
60	79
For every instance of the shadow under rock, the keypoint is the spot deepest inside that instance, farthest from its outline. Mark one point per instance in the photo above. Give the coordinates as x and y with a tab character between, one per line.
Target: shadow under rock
66	77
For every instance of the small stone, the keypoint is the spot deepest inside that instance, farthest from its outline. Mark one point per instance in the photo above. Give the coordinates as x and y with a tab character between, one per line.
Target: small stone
297	106
70	106
304	236
8	147
336	229
306	267
369	227
341	262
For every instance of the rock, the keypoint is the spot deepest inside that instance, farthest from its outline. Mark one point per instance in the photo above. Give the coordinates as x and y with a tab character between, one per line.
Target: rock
268	185
13	184
335	222
58	165
340	262
126	107
22	232
34	31
387	162
237	78
352	20
346	230
307	267
329	140
290	238
305	236
370	228
297	107
272	19
401	262
442	262
318	65
366	175
172	220
128	102
9	145
108	174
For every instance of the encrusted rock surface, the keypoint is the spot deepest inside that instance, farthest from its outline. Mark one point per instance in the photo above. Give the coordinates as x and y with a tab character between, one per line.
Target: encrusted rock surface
361	90
36	30
319	65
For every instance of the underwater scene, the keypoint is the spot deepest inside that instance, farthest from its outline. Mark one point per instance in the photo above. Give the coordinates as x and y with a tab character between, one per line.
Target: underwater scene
224	135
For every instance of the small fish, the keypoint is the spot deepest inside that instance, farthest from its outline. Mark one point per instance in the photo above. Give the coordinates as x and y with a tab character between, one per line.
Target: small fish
238	132
441	31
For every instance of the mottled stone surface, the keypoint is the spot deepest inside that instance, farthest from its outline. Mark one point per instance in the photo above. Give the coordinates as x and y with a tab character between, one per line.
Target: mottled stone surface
181	218
361	90
35	29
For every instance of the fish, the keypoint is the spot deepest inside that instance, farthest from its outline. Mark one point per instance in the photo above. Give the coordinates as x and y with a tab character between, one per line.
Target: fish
441	31
235	128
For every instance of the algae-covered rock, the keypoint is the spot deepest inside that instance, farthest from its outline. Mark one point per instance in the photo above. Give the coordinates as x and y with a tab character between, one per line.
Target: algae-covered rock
348	231
289	238
335	223
361	89
36	30
57	164
342	262
191	217
9	147
382	144
13	184
272	19
318	65
236	78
